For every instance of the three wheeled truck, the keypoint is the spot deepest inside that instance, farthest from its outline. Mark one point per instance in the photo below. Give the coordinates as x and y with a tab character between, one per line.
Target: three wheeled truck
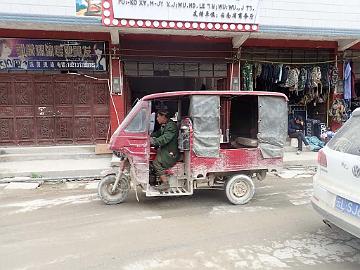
226	140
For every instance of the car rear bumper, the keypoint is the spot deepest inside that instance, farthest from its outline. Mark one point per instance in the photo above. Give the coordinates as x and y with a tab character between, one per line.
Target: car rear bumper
323	202
334	219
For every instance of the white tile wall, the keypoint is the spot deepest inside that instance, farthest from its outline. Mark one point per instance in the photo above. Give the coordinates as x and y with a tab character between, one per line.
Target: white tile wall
42	7
310	13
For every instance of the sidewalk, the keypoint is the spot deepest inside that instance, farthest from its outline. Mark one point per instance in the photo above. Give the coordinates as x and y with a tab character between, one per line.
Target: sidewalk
55	169
79	169
305	159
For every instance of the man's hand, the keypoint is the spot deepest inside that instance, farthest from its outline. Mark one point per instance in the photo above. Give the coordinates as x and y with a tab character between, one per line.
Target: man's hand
152	141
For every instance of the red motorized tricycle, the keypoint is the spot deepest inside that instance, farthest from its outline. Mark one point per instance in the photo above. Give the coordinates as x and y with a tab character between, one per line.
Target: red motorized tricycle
226	139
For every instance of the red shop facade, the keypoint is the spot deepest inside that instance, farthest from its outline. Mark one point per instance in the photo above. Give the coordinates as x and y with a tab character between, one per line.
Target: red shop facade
50	91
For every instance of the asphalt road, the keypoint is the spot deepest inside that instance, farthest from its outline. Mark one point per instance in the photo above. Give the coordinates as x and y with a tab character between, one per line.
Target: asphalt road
68	227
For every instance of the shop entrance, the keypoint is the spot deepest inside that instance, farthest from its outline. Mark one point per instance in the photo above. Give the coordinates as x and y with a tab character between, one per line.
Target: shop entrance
145	78
142	86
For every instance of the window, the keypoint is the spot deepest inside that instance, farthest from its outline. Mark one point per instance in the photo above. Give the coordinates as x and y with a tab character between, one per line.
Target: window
138	123
346	140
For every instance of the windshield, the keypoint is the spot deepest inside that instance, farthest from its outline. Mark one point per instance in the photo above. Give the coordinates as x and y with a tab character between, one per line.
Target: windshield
138	123
136	120
346	140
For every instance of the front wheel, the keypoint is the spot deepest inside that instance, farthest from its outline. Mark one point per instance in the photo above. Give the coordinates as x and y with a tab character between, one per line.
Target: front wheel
119	195
239	189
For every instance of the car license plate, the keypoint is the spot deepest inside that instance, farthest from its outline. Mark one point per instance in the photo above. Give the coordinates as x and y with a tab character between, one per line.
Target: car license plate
346	206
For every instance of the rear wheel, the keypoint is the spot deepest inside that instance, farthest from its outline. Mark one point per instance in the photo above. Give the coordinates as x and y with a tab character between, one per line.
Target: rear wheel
239	189
261	175
119	195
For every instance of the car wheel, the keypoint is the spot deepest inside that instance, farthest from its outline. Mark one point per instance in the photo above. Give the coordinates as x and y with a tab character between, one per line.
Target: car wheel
239	189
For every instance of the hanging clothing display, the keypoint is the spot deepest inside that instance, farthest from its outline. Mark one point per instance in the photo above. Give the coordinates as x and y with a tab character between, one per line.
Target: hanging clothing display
302	79
258	69
333	77
247	74
292	81
347	82
338	111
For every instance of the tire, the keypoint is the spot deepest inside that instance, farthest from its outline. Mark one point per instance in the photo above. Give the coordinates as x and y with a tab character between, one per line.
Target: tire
121	192
239	189
261	175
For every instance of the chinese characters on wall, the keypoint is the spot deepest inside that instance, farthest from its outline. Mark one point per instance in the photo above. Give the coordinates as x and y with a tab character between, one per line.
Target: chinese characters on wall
27	54
234	11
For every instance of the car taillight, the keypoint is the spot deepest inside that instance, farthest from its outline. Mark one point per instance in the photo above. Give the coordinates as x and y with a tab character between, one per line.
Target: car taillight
322	161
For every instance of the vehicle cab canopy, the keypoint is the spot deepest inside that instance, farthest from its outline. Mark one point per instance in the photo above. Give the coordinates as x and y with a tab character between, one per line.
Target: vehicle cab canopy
219	118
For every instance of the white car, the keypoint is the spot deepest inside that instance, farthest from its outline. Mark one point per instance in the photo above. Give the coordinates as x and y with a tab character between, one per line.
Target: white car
337	182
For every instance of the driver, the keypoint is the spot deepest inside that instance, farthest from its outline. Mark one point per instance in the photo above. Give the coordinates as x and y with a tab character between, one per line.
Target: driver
166	140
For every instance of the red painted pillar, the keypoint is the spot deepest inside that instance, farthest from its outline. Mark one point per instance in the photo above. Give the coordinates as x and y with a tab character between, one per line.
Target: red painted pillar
117	100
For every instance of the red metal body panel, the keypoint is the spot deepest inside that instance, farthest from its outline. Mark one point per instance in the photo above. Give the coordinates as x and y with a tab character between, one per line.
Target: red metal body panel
136	146
232	160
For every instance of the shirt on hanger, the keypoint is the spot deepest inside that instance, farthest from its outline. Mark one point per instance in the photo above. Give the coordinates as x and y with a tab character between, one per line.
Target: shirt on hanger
347	82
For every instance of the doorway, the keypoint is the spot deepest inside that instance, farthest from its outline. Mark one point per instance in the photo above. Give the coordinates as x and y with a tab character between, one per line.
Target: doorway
142	86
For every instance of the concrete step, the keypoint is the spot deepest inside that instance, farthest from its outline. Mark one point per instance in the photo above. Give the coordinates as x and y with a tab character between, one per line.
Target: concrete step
78	149
49	156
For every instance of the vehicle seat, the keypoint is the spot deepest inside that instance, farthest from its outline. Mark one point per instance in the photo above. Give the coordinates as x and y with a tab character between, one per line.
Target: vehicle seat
240	142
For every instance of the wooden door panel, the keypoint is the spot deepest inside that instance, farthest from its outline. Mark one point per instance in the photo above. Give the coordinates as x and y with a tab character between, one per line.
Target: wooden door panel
6	95
7	112
44	94
83	94
64	129
45	129
7	134
48	109
83	129
24	129
63	93
24	94
101	128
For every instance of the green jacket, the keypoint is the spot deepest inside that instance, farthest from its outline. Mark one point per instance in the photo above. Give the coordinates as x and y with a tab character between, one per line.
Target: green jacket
166	138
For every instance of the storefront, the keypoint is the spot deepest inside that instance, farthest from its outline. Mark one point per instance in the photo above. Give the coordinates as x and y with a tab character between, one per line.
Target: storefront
173	46
305	71
54	90
262	37
159	64
351	75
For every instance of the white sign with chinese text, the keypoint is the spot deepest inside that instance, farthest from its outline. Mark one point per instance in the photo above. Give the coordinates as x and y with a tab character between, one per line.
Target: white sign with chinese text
222	11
